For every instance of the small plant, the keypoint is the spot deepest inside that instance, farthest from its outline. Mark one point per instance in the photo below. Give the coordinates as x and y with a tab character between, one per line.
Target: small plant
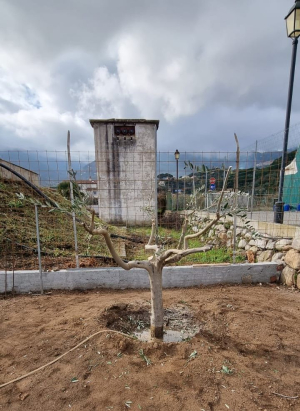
140	325
226	370
16	203
143	356
192	356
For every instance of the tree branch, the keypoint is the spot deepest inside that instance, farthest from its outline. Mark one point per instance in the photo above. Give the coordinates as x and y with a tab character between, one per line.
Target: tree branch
151	247
152	235
179	254
183	232
200	233
127	266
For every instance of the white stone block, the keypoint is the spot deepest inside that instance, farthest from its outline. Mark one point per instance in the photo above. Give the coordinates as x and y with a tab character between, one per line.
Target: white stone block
296	243
288	276
270	245
242	243
260	243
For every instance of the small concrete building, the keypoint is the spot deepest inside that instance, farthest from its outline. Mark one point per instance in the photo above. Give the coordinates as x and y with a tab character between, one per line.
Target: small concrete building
88	187
125	153
31	176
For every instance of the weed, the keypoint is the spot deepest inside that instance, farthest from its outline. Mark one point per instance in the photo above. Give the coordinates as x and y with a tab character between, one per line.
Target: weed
193	355
143	356
16	204
226	370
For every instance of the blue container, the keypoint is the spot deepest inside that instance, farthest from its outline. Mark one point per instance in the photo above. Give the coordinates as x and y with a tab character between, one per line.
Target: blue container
286	207
298	207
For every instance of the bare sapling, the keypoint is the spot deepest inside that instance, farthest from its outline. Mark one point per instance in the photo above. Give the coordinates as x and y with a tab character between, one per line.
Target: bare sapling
161	257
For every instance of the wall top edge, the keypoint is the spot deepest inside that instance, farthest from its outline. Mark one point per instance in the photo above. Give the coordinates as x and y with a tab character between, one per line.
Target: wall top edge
122	121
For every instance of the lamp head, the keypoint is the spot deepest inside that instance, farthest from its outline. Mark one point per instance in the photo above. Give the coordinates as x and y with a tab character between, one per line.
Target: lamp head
293	21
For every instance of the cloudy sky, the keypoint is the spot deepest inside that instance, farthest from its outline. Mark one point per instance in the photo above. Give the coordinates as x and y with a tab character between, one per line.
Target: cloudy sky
205	69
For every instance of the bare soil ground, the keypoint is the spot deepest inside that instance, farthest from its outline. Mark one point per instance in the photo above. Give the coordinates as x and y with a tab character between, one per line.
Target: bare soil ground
245	356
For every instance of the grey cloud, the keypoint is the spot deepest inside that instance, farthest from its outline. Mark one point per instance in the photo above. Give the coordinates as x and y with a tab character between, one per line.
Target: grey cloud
8	106
205	69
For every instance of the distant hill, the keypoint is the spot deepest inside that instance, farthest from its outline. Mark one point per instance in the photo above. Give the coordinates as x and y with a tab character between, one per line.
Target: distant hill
266	178
53	166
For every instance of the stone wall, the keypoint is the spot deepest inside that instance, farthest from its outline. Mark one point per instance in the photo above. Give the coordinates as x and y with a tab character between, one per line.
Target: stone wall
258	247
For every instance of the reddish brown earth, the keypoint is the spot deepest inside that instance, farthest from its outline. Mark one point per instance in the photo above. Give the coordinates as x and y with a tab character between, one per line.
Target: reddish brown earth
245	354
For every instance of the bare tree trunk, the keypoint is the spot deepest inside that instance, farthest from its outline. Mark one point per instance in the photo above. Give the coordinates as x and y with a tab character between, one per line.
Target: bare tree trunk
157	312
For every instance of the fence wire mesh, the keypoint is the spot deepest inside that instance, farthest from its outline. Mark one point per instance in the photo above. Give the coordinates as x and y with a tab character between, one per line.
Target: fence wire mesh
127	197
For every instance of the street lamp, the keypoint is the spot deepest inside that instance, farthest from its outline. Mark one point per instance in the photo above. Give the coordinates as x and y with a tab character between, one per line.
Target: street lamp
177	154
293	31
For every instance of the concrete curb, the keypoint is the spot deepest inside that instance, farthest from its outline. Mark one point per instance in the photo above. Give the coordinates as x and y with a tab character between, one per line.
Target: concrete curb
117	278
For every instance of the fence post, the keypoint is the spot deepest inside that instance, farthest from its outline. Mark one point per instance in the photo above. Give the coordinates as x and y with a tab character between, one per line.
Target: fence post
39	246
72	202
236	187
5	273
253	180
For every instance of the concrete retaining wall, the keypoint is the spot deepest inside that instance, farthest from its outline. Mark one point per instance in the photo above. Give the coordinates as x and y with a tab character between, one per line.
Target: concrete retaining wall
117	278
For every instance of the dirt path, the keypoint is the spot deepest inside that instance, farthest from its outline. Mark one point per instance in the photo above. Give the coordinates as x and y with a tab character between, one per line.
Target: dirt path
247	349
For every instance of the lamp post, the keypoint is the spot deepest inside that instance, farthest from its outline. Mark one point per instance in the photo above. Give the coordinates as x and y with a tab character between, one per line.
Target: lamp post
177	154
293	31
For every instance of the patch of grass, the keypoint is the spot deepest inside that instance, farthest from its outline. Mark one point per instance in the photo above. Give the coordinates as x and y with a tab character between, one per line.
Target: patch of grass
214	256
16	203
162	232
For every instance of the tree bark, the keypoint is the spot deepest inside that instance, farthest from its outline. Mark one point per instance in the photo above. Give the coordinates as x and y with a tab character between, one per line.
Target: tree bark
157	312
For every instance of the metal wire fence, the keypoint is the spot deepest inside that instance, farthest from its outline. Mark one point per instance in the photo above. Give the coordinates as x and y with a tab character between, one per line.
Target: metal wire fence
125	193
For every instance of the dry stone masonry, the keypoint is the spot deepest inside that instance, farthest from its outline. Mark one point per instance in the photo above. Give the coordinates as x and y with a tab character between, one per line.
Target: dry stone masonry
259	248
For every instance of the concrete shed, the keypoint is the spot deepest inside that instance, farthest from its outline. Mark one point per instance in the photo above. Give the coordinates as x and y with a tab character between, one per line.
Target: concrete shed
125	153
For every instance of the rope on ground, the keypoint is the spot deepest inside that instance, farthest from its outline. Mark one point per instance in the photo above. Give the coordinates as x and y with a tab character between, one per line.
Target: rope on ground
61	356
286	396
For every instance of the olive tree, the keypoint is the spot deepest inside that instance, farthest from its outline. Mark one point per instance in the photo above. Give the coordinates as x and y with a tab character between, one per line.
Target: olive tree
160	258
